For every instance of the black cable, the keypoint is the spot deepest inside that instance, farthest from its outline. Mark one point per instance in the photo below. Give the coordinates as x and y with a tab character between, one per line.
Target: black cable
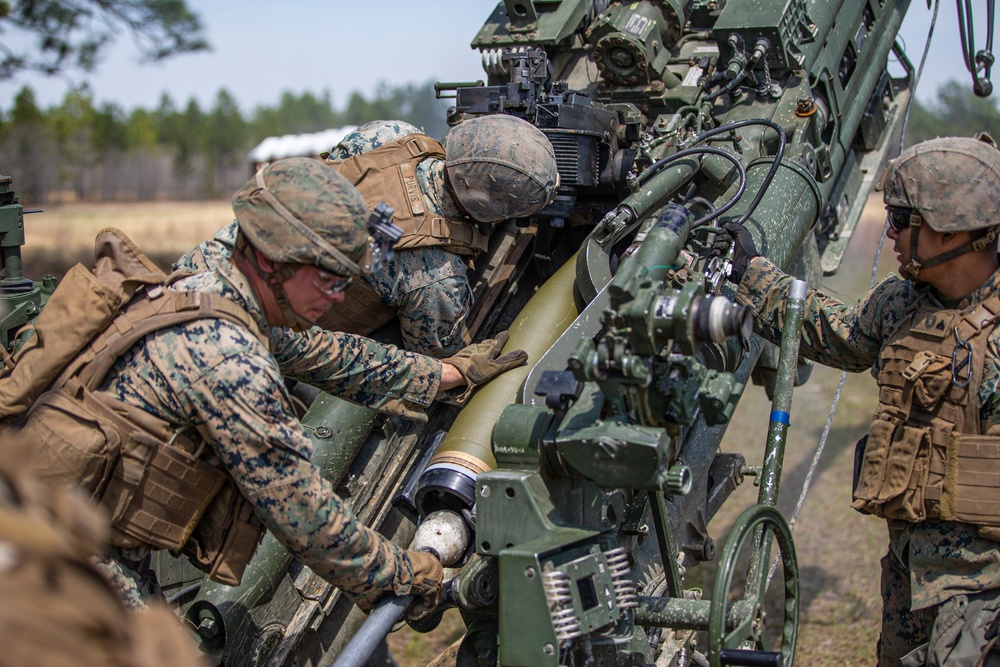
779	154
662	162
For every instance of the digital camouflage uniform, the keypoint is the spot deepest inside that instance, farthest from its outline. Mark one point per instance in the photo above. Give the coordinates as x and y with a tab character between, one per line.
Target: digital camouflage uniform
499	167
218	378
428	286
927	562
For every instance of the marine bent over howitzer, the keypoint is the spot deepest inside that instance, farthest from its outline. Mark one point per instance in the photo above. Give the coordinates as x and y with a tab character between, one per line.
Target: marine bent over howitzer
578	490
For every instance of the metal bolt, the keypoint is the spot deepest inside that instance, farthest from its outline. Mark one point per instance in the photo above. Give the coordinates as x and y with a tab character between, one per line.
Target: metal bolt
208	628
549	649
323	432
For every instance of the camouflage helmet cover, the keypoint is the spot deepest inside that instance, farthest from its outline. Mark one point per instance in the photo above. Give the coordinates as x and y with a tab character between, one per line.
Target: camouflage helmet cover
500	167
300	211
953	182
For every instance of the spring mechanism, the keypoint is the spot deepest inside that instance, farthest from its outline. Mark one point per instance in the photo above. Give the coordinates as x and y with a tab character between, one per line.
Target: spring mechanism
618	566
565	624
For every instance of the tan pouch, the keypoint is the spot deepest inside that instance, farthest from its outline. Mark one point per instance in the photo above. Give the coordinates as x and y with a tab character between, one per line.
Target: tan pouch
81	307
894	471
872	469
229	517
72	445
158	493
81	303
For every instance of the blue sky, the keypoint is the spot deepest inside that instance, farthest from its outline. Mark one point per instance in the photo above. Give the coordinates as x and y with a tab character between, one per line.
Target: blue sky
260	51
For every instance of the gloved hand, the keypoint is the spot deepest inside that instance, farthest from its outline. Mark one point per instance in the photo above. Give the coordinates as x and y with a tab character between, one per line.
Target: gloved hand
744	249
427	577
481	362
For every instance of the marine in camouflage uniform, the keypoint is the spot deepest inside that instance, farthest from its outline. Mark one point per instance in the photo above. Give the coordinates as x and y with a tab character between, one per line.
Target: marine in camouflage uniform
302	235
502	167
934	570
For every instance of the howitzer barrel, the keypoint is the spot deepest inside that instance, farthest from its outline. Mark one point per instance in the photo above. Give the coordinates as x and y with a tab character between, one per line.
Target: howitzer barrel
787	211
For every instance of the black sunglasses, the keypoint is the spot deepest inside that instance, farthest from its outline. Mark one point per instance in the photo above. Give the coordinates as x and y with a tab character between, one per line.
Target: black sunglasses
899	218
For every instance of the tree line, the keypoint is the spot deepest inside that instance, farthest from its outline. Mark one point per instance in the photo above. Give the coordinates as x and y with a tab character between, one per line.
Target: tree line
85	150
99	151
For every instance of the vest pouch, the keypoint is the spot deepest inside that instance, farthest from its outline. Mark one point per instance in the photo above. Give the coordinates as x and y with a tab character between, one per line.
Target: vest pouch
894	471
73	446
871	470
928	377
971	491
859	459
158	492
226	538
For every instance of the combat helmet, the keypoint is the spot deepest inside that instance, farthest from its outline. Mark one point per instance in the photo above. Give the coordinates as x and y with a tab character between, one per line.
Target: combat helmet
952	184
300	211
499	167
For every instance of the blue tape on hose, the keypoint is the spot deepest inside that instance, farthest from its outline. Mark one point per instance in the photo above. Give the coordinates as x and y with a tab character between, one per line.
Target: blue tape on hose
779	416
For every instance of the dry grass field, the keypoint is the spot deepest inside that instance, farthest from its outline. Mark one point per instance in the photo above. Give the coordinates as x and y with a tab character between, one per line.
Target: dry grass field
63	234
838	549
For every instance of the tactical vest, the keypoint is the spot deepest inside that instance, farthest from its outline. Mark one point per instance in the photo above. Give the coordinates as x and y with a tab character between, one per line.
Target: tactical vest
389	174
926	457
361	312
160	485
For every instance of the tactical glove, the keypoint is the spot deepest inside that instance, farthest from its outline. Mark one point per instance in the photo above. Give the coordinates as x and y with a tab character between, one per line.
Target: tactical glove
481	362
427	577
744	249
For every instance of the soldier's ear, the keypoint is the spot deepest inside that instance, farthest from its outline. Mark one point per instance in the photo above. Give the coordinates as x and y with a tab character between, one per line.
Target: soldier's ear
265	264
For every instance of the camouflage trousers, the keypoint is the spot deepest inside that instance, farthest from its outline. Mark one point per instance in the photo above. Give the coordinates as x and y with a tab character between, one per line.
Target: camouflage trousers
135	581
953	633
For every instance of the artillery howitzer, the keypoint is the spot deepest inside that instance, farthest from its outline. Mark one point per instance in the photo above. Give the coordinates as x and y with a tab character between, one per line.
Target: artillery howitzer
580	488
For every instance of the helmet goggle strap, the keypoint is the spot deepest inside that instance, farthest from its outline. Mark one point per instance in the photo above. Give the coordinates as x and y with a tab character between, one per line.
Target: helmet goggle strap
912	270
274	281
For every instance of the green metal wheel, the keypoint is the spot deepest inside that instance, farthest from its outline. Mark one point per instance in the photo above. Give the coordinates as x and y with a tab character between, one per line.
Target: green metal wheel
738	626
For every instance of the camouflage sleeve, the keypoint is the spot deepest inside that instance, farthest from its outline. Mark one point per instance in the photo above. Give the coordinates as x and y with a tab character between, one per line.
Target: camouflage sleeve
370	136
206	256
241	406
834	333
359	369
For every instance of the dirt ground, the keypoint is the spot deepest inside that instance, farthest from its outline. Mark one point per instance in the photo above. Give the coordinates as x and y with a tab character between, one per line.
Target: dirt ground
838	550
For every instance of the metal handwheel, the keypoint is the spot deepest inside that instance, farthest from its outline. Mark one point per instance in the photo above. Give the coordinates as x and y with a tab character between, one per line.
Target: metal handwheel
735	630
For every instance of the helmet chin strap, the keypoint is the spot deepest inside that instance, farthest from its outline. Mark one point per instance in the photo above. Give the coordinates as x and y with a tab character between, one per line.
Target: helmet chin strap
912	269
283	272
